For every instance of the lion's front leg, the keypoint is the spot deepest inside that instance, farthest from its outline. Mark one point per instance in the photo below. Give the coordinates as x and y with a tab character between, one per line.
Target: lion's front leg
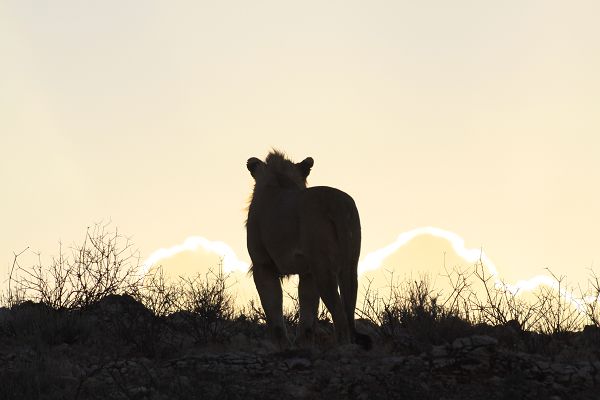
269	290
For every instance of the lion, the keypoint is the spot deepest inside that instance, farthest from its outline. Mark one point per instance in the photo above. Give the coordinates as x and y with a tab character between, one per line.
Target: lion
312	232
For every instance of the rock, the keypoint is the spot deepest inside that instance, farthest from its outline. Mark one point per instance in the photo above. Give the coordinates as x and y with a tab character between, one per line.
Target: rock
415	363
393	363
443	362
4	315
439	351
297	391
239	340
298	363
483	340
481	355
367	327
468	343
513	325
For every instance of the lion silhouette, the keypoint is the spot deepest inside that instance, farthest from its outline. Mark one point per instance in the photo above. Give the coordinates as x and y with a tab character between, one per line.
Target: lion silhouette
313	232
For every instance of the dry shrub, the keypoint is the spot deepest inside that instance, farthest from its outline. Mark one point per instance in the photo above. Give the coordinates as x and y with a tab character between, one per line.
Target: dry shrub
207	306
159	294
476	298
591	298
411	307
104	264
481	299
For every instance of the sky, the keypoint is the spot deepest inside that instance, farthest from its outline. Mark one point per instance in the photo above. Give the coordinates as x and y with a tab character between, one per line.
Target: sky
476	118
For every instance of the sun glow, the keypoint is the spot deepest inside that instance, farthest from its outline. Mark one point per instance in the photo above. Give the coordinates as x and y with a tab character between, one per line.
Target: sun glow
230	261
374	260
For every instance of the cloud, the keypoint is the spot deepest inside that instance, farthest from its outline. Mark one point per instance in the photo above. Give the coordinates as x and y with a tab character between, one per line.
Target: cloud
231	262
373	261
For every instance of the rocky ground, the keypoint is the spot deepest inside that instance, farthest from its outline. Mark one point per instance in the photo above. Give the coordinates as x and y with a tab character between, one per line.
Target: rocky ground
117	349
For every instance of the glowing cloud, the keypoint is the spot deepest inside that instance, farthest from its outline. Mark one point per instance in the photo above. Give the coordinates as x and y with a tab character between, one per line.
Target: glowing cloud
230	261
374	260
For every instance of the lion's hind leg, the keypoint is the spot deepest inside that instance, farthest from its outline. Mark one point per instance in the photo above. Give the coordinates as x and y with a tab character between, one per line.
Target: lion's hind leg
349	290
308	297
327	285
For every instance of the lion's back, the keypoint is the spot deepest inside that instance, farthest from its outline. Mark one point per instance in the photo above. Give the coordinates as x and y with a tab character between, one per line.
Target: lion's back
329	214
319	200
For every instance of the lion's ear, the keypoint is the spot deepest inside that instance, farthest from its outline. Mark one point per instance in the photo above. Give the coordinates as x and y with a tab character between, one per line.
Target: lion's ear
252	165
306	165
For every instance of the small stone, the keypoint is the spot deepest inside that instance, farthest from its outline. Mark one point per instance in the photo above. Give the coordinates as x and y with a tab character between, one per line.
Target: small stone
483	340
443	362
543	365
415	362
481	354
474	341
298	363
394	362
563	373
363	396
139	391
239	340
439	351
461	343
297	391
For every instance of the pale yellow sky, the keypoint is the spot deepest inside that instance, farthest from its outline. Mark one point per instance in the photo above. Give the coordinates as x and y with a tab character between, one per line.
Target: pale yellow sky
478	118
